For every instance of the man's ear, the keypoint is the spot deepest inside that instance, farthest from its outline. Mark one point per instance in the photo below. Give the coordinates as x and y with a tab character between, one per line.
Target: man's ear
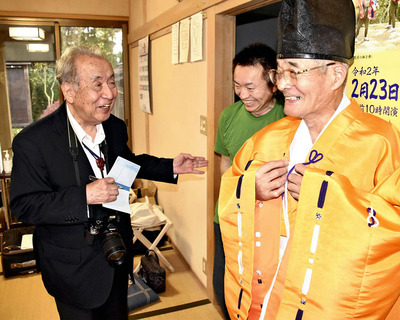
339	75
68	92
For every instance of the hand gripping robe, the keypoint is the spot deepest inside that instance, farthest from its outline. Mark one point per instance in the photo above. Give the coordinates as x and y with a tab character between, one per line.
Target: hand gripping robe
342	259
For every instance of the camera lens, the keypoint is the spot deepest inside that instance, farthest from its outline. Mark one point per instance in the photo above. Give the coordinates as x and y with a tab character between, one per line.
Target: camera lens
114	248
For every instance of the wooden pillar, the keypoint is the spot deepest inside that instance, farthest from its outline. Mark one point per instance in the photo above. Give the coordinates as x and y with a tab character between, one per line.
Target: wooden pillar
5	115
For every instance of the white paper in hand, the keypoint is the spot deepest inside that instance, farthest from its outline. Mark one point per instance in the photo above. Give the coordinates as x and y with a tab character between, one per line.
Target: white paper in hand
124	172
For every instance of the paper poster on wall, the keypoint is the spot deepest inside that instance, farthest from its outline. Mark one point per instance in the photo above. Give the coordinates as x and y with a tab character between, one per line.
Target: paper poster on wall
175	43
144	80
184	40
374	77
196	37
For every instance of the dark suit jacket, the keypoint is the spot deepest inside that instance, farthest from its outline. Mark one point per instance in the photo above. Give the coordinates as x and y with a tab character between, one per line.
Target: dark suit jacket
44	193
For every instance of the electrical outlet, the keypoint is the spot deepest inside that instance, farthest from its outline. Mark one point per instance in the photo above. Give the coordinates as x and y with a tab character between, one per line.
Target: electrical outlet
204	265
203	125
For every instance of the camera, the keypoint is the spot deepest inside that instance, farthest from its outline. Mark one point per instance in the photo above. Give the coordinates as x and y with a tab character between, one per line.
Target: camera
113	246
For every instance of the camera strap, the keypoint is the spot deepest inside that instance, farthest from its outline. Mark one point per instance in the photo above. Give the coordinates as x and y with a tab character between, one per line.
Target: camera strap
74	150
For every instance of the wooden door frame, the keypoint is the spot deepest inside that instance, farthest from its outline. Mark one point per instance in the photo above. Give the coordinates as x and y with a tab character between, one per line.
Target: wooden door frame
221	36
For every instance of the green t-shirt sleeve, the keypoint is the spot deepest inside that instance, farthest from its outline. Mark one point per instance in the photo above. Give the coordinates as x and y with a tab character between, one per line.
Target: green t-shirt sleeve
220	146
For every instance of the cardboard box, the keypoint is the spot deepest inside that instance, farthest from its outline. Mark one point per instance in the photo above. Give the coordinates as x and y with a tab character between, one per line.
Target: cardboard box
143	188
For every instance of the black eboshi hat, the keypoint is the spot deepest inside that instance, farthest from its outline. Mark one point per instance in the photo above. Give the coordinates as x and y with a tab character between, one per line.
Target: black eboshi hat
317	29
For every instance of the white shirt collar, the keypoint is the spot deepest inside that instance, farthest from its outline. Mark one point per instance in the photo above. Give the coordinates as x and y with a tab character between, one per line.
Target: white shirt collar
82	135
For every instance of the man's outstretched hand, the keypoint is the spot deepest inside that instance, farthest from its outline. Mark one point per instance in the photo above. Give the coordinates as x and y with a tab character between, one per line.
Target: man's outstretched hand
186	163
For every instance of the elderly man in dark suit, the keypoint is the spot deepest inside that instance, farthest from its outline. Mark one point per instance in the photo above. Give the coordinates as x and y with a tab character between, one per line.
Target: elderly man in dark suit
50	188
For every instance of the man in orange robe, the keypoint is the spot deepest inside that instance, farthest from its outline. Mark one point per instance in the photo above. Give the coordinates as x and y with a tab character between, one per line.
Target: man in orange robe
310	209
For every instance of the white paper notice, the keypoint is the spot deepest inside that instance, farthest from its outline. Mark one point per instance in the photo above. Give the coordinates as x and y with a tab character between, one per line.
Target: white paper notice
196	37
144	83
175	43
184	40
124	172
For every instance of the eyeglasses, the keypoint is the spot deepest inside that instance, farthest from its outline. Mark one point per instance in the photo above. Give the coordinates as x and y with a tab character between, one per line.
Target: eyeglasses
275	75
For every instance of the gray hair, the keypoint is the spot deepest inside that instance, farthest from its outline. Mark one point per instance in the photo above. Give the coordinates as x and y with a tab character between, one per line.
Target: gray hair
65	67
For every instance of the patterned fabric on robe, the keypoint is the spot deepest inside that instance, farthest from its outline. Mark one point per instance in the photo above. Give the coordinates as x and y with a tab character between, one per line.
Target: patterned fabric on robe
343	256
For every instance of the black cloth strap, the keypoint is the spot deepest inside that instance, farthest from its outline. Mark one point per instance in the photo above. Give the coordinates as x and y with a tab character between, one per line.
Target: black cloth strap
74	150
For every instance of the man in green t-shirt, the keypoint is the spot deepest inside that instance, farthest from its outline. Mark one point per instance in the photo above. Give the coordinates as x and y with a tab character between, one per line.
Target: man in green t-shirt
259	105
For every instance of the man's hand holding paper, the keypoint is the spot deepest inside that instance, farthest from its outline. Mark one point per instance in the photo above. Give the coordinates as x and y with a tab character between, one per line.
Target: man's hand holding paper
101	191
124	173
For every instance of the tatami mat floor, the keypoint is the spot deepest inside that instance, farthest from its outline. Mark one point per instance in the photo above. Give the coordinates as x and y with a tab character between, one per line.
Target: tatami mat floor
184	298
25	298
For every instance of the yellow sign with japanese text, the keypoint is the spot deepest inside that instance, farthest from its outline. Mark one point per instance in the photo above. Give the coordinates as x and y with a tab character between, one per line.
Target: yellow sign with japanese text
374	77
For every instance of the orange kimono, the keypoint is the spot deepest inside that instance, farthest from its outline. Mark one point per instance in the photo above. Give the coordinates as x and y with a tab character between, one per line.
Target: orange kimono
342	259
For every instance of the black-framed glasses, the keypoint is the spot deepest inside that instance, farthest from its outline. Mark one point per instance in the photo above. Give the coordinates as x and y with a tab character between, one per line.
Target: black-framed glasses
275	75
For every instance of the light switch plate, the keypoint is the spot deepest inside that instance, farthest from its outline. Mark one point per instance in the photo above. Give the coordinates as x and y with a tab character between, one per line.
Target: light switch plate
203	125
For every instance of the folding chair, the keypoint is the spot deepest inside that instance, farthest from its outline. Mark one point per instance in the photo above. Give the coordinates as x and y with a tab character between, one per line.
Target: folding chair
144	215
